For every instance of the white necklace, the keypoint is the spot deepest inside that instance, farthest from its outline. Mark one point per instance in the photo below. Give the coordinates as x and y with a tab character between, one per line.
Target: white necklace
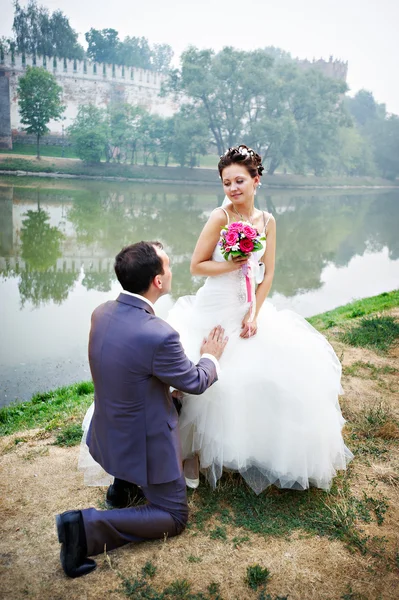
249	219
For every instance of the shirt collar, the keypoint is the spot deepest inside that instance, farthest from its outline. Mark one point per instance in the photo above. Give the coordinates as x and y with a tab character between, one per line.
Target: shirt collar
140	298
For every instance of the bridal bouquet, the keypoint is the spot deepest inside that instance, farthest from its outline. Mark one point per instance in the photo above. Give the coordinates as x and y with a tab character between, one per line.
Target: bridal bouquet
239	239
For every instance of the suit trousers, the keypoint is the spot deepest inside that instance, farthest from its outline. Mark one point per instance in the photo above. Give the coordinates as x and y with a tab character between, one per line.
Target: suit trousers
165	514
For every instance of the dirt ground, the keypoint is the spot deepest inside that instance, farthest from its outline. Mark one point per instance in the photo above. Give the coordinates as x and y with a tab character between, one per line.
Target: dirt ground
40	480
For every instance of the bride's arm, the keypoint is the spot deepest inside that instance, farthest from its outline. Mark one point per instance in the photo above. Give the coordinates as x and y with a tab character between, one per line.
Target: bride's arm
201	261
269	259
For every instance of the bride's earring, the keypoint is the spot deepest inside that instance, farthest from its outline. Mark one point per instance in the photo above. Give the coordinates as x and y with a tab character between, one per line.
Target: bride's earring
254	191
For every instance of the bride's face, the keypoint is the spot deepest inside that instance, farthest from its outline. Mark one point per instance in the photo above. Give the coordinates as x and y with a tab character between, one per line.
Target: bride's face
238	184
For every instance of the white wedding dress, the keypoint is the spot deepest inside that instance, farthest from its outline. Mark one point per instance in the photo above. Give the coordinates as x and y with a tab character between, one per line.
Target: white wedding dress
273	415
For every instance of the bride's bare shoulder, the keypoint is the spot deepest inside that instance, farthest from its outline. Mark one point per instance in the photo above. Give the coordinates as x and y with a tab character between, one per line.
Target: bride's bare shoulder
220	216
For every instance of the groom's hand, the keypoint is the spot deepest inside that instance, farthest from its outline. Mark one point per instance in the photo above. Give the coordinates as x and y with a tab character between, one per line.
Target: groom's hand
215	343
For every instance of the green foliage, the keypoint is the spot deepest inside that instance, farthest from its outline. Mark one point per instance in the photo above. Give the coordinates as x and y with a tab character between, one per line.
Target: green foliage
366	306
257	576
105	46
49	409
378	333
287	114
89	134
69	435
40	33
190	136
40	100
379	129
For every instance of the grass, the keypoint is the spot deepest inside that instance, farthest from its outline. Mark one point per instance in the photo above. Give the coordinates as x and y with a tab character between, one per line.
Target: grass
69	435
140	588
377	333
50	150
257	576
279	513
368	370
353	310
49	409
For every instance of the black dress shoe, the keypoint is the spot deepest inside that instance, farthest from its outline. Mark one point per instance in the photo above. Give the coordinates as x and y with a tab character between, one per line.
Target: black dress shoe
122	494
72	537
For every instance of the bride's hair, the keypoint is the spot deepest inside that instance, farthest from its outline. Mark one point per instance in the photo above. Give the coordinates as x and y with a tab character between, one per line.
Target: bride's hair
244	156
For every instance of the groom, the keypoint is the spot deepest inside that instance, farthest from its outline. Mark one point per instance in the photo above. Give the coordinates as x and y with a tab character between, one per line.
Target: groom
134	358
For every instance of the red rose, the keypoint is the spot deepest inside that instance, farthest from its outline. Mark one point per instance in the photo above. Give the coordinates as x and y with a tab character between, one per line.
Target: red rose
246	245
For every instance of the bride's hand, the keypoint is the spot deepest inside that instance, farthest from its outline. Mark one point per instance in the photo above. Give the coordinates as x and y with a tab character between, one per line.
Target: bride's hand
248	329
237	262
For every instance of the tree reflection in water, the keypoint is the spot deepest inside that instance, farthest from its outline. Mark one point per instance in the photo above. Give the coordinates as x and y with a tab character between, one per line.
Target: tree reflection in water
40	281
312	231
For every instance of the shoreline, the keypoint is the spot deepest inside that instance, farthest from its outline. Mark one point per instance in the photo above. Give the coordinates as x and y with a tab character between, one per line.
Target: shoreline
43	174
75	169
323	322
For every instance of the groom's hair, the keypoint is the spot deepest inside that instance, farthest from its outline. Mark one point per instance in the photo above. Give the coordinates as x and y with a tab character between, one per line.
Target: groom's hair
137	265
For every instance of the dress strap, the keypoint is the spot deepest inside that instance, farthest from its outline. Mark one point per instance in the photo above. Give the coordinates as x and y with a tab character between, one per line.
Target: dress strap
265	221
226	213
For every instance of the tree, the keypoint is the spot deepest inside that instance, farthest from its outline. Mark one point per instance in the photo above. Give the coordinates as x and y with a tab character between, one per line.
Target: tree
385	136
317	108
379	130
39	32
287	114
224	86
162	55
362	107
135	52
191	136
40	100
354	155
89	133
103	45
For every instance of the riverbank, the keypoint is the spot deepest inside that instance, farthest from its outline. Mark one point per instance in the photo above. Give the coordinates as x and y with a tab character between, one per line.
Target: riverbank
69	168
281	544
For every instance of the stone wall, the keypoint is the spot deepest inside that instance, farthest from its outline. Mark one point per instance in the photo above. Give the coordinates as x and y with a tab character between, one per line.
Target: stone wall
5	122
84	82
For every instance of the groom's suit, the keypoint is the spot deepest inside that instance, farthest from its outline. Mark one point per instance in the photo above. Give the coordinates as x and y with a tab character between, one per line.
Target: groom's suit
134	358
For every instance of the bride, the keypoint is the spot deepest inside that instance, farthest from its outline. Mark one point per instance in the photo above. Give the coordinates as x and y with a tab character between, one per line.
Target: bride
273	415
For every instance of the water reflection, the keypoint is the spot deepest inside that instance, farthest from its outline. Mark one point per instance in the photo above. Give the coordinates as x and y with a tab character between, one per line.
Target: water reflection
58	241
48	235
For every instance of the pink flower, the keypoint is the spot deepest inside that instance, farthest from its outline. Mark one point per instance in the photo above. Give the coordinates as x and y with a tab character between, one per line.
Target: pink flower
246	245
231	237
249	232
237	226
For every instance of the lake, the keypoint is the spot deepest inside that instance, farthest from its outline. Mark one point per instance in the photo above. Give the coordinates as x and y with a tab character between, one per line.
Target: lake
58	239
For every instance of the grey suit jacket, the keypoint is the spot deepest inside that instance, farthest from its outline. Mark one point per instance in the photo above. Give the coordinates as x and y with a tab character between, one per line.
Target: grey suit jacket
134	358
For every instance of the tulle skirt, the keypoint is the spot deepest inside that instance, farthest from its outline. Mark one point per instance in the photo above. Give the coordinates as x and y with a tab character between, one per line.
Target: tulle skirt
273	415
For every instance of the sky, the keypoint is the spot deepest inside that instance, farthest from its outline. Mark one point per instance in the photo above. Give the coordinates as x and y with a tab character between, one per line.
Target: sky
362	32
